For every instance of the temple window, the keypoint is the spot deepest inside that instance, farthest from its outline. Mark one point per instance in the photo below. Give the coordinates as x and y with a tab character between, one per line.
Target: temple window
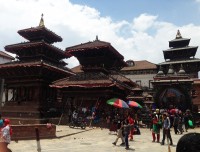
150	84
138	82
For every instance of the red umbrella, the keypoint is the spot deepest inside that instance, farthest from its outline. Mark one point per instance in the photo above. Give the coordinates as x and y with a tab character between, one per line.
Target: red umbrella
117	103
134	104
173	111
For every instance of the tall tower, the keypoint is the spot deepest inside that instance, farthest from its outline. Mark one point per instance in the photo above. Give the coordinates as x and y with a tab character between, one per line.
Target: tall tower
180	53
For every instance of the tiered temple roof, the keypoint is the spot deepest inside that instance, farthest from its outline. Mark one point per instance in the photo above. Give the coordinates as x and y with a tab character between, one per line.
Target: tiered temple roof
99	69
40	33
97	54
180	53
94	80
180	49
39	45
39	49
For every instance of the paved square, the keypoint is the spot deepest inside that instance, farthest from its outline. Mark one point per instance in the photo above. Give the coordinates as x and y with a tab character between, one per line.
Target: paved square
93	140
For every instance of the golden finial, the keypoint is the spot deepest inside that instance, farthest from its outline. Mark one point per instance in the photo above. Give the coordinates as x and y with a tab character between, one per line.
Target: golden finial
41	20
97	38
178	35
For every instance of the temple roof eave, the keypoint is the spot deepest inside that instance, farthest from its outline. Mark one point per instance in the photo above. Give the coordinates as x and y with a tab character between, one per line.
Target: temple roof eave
97	85
93	45
38	31
93	79
135	97
180	61
182	48
181	39
172	81
35	64
25	45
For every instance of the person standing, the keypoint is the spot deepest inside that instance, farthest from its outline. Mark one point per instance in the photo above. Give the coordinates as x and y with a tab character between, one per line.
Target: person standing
176	123
185	117
166	129
6	134
127	128
156	128
120	135
131	122
180	124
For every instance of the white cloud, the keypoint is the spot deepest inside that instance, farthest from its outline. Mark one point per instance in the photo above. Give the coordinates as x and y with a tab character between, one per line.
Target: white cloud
142	39
143	22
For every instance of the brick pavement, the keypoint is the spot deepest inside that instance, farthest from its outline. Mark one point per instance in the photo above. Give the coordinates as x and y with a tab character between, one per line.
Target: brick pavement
90	140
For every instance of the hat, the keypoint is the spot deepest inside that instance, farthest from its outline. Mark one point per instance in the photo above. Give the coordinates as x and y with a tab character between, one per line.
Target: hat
6	121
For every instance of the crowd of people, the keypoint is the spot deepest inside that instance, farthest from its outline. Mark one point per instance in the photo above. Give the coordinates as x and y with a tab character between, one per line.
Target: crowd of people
125	123
162	121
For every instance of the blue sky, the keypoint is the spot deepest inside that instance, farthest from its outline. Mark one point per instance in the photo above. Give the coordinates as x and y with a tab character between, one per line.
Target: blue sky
138	29
175	11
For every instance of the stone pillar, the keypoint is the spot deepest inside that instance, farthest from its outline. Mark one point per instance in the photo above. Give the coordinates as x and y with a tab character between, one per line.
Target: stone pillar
1	91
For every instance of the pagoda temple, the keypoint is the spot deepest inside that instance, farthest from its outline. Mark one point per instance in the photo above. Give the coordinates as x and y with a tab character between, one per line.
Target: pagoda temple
98	78
180	53
173	90
174	83
39	63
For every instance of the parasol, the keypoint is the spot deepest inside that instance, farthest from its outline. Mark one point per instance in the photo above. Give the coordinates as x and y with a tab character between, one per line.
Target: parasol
134	104
117	103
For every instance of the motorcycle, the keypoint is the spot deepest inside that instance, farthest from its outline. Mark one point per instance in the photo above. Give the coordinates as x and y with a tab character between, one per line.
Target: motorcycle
80	122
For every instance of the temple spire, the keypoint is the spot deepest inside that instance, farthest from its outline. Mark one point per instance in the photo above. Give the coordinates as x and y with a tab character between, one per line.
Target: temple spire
178	35
171	70
181	71
41	21
97	38
160	72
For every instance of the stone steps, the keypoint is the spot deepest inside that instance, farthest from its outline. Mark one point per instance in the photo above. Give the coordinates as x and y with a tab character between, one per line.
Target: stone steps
19	108
21	114
25	113
24	121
